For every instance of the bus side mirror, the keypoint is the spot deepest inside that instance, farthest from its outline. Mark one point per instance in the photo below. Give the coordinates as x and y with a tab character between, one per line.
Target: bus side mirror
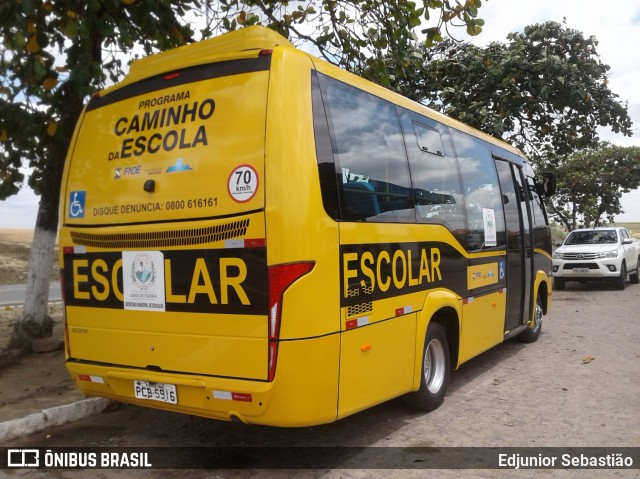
548	184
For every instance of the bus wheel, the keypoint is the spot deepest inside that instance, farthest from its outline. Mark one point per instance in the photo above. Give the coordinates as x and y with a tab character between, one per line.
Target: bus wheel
435	371
532	334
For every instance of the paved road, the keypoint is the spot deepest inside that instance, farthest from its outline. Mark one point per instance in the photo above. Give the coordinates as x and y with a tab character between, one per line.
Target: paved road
15	293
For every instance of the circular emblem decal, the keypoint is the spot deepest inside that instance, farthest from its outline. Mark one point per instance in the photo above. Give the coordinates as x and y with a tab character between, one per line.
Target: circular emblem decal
243	183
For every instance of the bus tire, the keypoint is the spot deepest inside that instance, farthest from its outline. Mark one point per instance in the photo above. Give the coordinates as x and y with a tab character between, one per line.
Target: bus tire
531	335
435	371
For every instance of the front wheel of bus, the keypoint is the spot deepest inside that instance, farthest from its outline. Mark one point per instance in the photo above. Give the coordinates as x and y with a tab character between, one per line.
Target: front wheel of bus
532	334
435	371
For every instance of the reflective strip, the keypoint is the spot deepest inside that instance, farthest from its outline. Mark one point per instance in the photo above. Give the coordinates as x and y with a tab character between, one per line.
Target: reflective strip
245	243
222	395
91	379
230	396
255	243
403	310
357	323
244	397
74	250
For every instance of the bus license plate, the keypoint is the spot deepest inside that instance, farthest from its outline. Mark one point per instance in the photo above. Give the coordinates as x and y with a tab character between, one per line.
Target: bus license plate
581	270
155	391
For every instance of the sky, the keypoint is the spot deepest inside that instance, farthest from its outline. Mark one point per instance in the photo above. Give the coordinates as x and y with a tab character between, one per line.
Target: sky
617	30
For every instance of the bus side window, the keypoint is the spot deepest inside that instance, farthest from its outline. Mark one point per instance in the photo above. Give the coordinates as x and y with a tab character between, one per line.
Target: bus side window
428	139
360	199
434	172
324	153
368	153
483	200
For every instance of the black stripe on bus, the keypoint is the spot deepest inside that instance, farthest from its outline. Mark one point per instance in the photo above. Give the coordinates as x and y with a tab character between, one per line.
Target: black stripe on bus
182	77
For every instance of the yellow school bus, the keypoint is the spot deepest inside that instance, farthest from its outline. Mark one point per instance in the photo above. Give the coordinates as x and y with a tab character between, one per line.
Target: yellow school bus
250	233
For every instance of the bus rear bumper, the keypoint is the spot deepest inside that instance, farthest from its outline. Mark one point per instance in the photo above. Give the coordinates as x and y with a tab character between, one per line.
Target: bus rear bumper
302	393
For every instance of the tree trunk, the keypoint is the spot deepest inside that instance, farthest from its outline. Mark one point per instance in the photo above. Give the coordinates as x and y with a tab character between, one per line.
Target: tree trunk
35	322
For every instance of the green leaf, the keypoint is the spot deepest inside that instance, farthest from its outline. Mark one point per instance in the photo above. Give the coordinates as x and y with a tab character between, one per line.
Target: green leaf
414	21
39	69
474	30
70	27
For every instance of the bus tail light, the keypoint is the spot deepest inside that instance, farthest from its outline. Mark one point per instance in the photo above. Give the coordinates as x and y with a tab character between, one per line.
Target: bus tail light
280	278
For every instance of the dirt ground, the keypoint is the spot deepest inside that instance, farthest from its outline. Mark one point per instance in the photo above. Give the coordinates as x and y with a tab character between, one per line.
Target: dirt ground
40	380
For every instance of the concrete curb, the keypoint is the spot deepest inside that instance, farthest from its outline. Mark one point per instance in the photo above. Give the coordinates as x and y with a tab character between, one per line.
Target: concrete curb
55	416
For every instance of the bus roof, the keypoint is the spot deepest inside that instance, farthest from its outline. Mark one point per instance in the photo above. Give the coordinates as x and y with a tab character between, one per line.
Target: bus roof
247	40
250	40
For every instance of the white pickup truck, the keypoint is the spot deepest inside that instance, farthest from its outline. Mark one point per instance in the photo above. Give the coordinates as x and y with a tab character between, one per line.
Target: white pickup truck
608	253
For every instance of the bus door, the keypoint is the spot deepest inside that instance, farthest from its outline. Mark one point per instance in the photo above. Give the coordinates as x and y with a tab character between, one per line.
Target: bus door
519	254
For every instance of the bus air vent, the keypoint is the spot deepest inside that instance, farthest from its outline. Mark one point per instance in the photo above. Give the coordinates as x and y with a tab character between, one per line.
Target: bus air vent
359	298
162	239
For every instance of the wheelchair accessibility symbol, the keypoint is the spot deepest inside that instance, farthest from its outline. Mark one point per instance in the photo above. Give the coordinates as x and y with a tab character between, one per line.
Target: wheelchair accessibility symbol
76	204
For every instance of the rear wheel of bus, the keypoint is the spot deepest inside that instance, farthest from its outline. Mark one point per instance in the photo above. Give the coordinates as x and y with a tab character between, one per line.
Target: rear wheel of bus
435	371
